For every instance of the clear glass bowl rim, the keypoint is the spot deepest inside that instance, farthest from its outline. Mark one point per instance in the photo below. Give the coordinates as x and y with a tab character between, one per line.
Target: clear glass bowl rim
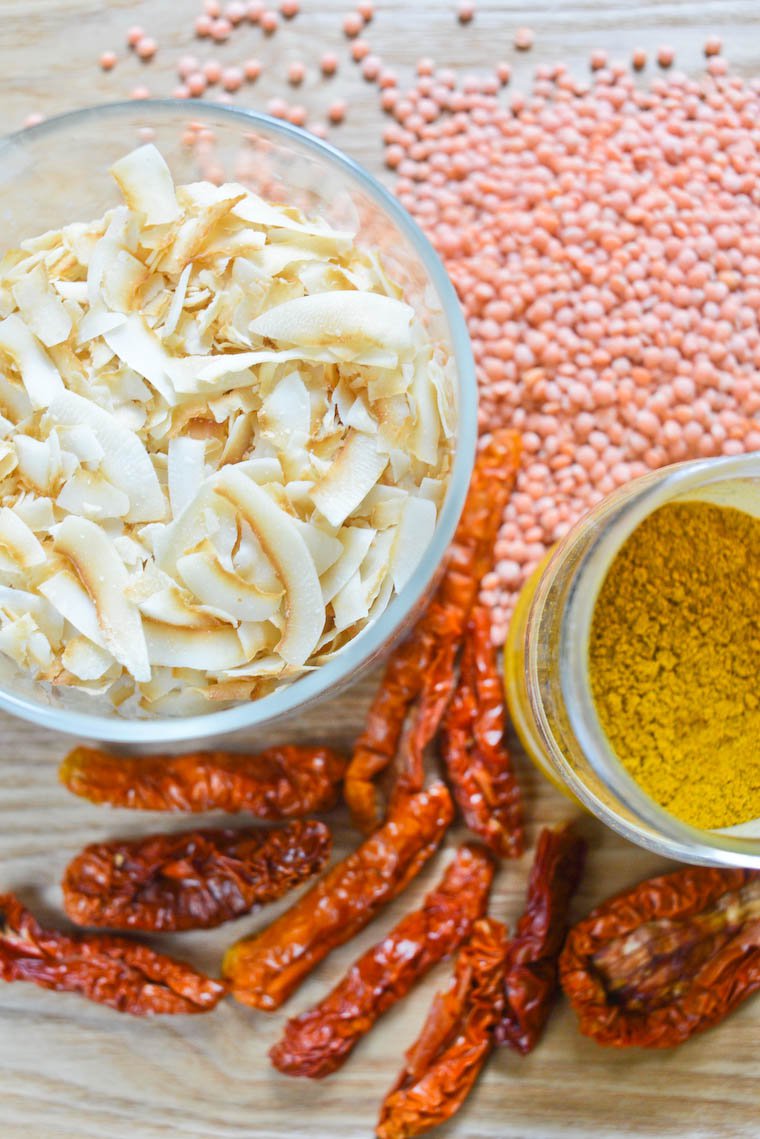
338	671
671	838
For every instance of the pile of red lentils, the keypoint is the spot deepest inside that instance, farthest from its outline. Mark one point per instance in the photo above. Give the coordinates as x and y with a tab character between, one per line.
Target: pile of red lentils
605	243
604	239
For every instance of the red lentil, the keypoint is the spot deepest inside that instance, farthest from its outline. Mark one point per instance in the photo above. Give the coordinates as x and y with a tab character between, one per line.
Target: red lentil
328	64
108	60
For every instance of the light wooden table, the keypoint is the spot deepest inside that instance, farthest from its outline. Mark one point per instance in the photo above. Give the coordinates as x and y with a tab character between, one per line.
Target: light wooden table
71	1070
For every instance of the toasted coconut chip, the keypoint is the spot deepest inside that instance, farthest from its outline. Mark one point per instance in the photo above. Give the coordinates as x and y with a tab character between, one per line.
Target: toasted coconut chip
42	310
140	349
86	660
350	603
16	602
146	183
424	442
356	542
263	666
206	577
171	606
125	463
178	300
82	441
18	541
121	280
258	212
36	512
208	649
39	463
90	494
186	471
8	459
72	291
14	400
288	553
187	529
26	644
181	702
273	259
324	548
354	471
343	318
69	598
39	374
413	536
97	322
103	575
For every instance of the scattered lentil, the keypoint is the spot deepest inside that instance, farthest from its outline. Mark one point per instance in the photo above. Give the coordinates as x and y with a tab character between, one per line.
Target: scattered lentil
665	56
134	35
352	25
639	59
713	46
359	49
328	64
232	78
336	112
523	40
269	22
108	60
252	70
289	9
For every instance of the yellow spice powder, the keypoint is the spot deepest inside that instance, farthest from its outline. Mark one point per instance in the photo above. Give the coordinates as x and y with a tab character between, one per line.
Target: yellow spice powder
674	661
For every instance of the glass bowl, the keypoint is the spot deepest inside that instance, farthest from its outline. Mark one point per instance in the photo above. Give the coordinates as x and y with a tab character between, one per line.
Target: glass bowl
57	173
546	663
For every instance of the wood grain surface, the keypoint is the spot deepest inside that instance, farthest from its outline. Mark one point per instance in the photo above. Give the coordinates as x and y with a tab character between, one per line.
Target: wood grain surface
71	1070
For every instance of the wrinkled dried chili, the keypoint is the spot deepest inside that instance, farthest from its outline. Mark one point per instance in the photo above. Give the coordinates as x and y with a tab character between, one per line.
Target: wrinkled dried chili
191	880
671	957
408	676
474	749
265	969
280	783
444	1063
318	1042
531	986
113	971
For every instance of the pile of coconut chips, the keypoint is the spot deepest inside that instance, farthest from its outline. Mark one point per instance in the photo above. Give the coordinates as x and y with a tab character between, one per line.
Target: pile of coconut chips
224	442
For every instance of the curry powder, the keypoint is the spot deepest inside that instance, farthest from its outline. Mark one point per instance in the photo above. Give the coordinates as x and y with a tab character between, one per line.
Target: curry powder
674	661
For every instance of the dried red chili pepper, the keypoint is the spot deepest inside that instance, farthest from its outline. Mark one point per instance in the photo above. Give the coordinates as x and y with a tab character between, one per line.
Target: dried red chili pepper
443	623
280	783
474	748
191	880
113	971
671	957
265	969
531	978
444	1063
319	1041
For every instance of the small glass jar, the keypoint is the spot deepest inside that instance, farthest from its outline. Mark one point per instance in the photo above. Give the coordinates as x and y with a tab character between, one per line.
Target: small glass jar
546	662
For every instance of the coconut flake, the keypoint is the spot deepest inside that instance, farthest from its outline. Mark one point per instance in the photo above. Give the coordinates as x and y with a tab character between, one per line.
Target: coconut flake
206	577
104	577
413	536
352	474
90	494
126	463
39	462
356	542
39	374
26	644
289	554
146	183
86	660
344	318
209	650
138	348
186	471
68	597
178	300
18	541
42	310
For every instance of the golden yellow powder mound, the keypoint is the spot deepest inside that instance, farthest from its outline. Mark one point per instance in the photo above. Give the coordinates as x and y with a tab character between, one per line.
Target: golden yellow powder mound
674	661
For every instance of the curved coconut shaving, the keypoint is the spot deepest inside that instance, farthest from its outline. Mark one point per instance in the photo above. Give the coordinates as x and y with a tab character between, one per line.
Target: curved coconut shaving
225	439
